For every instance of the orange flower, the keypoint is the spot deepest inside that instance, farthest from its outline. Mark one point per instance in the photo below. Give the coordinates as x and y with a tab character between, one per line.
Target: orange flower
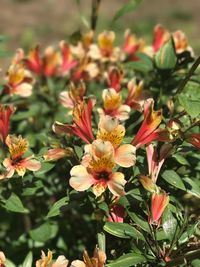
115	76
82	124
5	114
110	130
112	102
19	81
68	62
46	261
97	170
132	45
98	259
161	36
194	139
58	153
159	202
151	121
34	61
18	147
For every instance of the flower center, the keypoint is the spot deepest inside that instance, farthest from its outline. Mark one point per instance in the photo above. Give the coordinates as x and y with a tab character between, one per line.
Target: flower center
103	175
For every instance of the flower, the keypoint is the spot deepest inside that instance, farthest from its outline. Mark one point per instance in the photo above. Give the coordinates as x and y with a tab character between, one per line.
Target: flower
161	36
98	259
82	125
58	153
2	259
115	76
155	160
112	102
110	130
97	170
117	213
45	260
17	147
68	62
159	202
136	95
51	62
5	113
60	262
19	81
148	183
147	131
194	139
34	61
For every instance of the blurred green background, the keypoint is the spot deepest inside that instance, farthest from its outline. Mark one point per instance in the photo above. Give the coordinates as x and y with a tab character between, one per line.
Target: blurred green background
27	22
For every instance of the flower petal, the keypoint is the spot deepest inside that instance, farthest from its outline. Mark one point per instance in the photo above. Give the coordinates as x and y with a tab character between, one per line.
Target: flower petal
116	184
125	155
80	179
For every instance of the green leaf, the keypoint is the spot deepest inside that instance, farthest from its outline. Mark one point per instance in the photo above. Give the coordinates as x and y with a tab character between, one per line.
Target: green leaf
140	222
122	230
174	179
192	186
28	260
191	106
55	210
128	260
9	263
143	64
44	232
188	233
169	224
165	58
129	7
13	203
45	168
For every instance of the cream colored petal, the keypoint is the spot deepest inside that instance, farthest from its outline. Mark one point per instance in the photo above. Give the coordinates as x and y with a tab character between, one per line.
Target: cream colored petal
116	184
78	263
125	155
31	164
123	112
80	179
60	262
99	188
24	90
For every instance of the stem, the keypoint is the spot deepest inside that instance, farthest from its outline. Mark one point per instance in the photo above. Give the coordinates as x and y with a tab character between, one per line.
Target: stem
191	255
101	241
187	78
94	13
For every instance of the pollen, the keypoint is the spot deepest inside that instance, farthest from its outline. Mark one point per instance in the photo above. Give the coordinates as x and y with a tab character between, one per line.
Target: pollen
17	146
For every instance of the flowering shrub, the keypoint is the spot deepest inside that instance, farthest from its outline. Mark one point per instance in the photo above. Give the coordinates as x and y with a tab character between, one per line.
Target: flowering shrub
99	151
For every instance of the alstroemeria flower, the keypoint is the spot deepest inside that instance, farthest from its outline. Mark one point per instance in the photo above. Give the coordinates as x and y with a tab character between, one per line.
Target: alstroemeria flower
58	153
132	45
97	170
151	121
46	260
105	50
85	70
51	62
2	259
112	105
67	61
82	124
73	96
5	113
19	81
161	36
115	77
98	260
136	95
194	139
159	202
181	42
34	61
110	130
155	160
117	213
17	147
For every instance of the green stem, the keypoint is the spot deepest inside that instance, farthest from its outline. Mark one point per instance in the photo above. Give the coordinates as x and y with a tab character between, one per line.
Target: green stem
187	78
94	13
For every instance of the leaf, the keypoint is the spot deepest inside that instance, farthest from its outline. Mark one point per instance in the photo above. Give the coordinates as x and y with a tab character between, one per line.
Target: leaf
169	223
187	234
165	58
28	260
191	106
122	230
129	7
143	64
13	203
192	186
180	159
9	263
55	210
174	179
140	222
45	168
128	260
44	232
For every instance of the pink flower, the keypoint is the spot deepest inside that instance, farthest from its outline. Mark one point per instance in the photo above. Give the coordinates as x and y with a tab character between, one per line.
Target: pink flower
147	131
97	170
68	62
161	36
115	77
132	45
5	114
159	202
117	213
17	148
58	153
82	124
